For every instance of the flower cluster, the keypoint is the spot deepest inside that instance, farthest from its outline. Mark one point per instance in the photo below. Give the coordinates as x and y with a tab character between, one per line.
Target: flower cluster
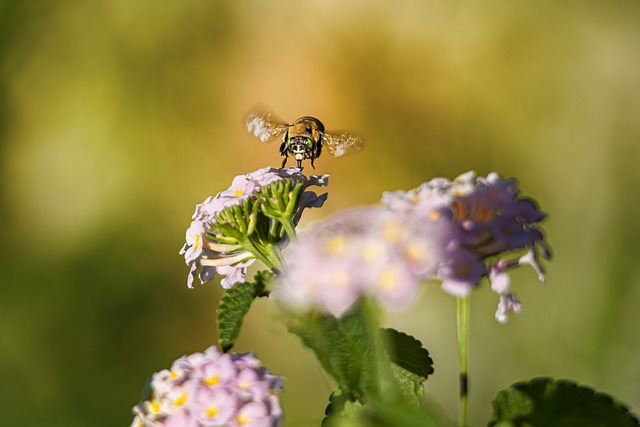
487	220
456	231
246	221
212	389
369	252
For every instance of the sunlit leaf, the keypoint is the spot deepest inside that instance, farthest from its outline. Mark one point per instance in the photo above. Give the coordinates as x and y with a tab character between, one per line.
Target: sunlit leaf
558	403
235	304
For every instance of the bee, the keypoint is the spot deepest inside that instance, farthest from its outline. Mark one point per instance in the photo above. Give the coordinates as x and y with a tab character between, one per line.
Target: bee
303	139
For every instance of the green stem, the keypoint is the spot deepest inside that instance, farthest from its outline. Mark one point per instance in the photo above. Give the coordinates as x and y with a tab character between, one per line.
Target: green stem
275	256
462	318
248	244
371	320
289	228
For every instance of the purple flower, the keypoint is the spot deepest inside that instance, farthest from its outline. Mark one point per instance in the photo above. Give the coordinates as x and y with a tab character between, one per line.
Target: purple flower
486	222
212	389
366	252
208	251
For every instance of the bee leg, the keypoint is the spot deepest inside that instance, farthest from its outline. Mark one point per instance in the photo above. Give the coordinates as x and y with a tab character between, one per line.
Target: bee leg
312	159
284	161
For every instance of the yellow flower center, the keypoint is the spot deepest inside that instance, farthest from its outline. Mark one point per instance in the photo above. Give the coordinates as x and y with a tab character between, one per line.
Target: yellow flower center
370	252
242	419
154	406
212	380
181	400
415	252
211	411
388	279
391	232
238	193
336	245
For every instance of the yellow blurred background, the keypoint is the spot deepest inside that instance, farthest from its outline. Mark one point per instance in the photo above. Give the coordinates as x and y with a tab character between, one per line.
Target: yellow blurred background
117	117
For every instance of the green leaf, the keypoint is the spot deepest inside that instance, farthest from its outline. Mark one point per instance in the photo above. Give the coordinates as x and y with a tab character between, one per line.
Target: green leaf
344	348
409	384
411	363
399	414
407	352
408	363
558	403
235	304
340	408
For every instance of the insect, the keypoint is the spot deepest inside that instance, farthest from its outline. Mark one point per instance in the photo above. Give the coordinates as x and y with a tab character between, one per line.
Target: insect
303	139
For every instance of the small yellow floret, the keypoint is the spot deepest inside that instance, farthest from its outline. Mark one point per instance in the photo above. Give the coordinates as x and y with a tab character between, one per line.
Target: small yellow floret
238	193
415	252
212	380
370	252
336	245
388	279
391	232
211	411
196	245
154	407
181	400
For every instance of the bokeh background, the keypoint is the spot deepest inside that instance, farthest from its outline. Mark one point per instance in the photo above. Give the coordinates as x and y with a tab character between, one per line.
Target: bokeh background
117	117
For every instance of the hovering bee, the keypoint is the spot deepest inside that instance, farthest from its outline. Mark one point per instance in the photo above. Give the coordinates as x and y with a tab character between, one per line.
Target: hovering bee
303	139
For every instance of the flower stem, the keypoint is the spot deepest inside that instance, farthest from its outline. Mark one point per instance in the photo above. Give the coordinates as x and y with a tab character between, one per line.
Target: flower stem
385	386
275	256
249	245
462	318
289	228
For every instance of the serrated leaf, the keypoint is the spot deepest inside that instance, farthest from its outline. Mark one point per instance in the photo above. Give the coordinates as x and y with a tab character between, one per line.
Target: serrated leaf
409	384
558	403
407	352
343	348
341	408
234	305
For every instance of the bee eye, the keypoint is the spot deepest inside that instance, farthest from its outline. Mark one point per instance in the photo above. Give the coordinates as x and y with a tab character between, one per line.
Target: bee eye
309	142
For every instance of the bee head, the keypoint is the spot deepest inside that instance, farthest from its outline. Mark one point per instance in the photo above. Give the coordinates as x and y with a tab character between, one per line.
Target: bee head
307	127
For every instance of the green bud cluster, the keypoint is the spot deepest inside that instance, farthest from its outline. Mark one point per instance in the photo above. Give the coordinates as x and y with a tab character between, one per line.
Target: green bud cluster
260	222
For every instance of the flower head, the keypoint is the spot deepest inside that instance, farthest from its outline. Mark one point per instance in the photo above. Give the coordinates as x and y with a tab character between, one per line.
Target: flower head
221	238
367	252
486	221
212	389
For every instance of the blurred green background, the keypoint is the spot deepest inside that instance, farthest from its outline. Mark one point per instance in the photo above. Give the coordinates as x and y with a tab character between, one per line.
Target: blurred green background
117	117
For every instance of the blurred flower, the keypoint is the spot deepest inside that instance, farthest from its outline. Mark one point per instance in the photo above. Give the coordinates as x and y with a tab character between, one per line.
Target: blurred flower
487	220
212	389
456	231
366	252
221	236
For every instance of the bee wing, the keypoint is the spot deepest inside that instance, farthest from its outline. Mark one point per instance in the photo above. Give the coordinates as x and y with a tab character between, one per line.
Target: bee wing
264	125
341	143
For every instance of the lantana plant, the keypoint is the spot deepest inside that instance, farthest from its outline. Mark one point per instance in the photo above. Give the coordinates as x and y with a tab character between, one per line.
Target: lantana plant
331	283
